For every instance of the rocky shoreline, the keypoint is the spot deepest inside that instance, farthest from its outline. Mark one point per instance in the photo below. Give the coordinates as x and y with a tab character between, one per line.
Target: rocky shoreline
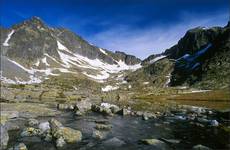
51	130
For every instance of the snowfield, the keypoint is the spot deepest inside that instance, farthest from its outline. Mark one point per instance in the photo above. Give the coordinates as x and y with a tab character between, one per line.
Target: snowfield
8	38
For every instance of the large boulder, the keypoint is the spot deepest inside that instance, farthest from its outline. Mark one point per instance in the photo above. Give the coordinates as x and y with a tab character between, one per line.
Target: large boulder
60	132
68	134
4	137
83	106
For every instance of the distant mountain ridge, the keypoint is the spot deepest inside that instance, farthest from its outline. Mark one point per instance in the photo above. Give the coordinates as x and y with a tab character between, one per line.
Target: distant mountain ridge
33	52
41	51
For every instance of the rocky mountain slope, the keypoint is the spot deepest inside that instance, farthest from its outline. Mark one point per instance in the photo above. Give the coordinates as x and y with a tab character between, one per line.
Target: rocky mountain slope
32	52
200	59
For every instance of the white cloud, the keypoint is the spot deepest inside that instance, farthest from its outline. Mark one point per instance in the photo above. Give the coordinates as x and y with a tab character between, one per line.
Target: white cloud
152	40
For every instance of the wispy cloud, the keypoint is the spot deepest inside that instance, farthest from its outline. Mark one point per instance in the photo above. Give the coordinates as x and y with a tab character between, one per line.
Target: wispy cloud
154	39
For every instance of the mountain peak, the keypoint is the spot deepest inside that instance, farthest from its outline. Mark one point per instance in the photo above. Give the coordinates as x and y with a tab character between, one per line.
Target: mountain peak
33	22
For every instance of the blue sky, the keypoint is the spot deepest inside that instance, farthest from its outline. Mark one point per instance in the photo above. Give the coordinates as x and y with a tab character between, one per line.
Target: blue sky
138	27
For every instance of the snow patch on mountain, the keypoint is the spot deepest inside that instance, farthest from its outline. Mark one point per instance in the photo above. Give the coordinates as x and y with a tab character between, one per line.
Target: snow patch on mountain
37	63
157	58
109	88
45	61
8	38
103	51
101	76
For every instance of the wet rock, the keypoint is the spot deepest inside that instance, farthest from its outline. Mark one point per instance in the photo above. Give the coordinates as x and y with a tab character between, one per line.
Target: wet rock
103	127
68	134
65	106
83	106
48	137
113	142
156	143
200	147
214	123
60	142
98	134
32	122
44	126
4	137
103	110
180	117
102	122
170	141
30	132
148	115
203	120
139	113
20	146
124	112
55	125
112	107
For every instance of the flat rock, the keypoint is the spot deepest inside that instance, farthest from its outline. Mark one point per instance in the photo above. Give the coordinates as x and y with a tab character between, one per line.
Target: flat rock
113	142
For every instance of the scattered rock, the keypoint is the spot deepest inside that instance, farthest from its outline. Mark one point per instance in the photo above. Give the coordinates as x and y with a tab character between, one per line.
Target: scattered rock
156	143
68	134
32	122
148	115
55	125
83	106
98	135
103	127
124	112
100	109
4	137
214	123
139	113
200	147
30	132
170	141
112	107
60	142
20	146
113	142
44	126
102	121
65	106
